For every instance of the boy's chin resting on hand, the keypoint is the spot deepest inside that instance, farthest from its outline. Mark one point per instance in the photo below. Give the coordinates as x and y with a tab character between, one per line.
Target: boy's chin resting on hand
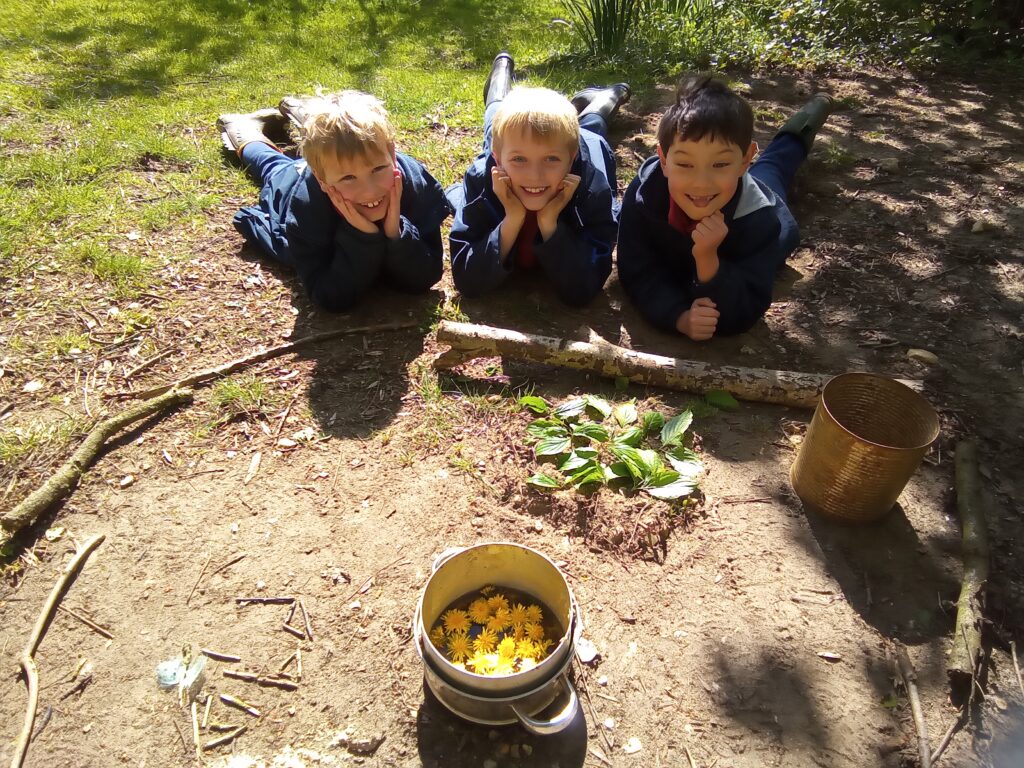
699	321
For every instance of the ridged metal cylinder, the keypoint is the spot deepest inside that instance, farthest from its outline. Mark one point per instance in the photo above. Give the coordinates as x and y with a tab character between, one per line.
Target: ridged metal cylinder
866	439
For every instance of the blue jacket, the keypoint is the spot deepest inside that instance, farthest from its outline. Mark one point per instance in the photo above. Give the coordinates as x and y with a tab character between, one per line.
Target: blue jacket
577	258
296	224
655	260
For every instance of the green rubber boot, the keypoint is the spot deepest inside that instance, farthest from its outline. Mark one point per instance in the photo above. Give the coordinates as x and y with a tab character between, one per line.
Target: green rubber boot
807	121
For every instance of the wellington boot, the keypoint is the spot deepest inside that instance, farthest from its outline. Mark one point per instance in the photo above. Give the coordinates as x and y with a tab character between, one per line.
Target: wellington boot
499	82
604	101
295	110
807	121
238	129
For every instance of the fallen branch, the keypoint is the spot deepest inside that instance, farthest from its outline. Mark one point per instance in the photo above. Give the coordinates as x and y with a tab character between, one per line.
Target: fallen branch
200	377
468	341
966	652
88	622
28	664
910	681
64	480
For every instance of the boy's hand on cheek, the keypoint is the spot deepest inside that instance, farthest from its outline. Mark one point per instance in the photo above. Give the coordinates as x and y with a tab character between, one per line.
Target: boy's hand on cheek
392	219
502	186
349	213
547	217
700	320
709	234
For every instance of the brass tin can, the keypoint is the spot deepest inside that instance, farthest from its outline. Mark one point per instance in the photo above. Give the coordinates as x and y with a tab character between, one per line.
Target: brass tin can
866	439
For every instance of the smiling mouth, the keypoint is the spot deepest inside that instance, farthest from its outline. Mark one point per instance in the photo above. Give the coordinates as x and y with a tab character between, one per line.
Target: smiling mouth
373	204
701	202
535	190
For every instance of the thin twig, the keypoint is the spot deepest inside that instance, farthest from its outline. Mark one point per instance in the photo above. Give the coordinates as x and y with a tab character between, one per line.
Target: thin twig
226	737
306	621
294	630
376	573
228	564
689	757
199	578
91	624
1016	666
284	416
281	600
146	363
224	369
961	720
218	656
906	669
28	664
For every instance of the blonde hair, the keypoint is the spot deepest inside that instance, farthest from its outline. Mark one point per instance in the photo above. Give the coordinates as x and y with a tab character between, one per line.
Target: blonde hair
537	111
344	124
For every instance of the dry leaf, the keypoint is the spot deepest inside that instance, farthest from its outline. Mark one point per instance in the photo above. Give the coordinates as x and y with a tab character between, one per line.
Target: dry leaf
254	467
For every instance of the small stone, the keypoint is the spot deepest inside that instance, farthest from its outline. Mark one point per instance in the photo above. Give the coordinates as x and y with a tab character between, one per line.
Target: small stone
86	728
477	522
32	386
889	165
602	680
260	586
127	480
609	723
745	350
286	443
586	651
632	746
923	356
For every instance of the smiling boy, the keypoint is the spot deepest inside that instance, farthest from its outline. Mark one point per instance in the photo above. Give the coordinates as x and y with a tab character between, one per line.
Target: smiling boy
353	211
541	193
704	229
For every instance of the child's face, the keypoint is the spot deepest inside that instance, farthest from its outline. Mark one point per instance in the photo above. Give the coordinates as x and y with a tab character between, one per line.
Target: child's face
363	181
535	165
703	175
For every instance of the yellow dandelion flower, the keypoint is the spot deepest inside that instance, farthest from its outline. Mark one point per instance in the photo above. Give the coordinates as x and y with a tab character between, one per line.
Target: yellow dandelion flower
535	631
458	647
526	649
504	667
481	662
437	636
486	641
479	611
497	602
525	664
499	621
534	615
517	614
543	645
486	590
507	648
456	621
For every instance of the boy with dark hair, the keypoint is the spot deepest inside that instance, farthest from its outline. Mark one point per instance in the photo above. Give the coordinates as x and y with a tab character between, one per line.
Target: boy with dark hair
703	231
353	211
541	193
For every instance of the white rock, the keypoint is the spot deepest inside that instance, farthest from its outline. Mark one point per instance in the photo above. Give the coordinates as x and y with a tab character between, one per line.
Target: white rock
632	746
32	386
127	480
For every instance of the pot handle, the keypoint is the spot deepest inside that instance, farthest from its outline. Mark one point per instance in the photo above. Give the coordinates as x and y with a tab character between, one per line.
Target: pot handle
559	722
445	556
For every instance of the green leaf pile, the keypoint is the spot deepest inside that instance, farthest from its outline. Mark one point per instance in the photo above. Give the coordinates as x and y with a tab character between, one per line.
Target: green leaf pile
591	442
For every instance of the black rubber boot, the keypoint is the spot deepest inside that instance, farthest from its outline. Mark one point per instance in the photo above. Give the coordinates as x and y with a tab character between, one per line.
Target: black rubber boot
499	82
238	129
807	121
295	110
605	101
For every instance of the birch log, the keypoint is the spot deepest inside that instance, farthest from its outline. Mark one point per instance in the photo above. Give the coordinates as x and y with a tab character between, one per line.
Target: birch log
598	356
963	659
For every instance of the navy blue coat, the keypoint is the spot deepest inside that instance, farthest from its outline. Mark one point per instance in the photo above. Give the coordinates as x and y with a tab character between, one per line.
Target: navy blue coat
577	258
296	224
655	260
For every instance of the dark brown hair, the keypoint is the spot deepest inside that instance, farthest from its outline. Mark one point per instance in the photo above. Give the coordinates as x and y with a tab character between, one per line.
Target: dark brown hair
707	107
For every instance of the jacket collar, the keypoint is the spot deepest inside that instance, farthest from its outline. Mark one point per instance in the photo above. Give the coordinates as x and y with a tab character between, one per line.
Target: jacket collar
653	194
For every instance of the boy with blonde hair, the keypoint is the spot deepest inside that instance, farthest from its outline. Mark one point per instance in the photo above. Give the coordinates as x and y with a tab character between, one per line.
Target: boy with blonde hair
542	191
352	211
705	228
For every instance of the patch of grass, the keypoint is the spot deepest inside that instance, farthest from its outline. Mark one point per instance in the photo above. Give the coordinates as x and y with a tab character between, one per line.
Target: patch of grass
65	343
126	273
835	157
37	441
245	395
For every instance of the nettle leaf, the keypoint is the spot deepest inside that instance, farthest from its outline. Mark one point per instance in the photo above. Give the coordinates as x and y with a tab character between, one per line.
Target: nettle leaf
539	428
591	472
573	462
669	486
552	446
685	462
674	429
651	462
721	399
591	430
652	421
535	403
570	409
586	452
599	405
632	436
540	480
625	413
613	472
629	457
